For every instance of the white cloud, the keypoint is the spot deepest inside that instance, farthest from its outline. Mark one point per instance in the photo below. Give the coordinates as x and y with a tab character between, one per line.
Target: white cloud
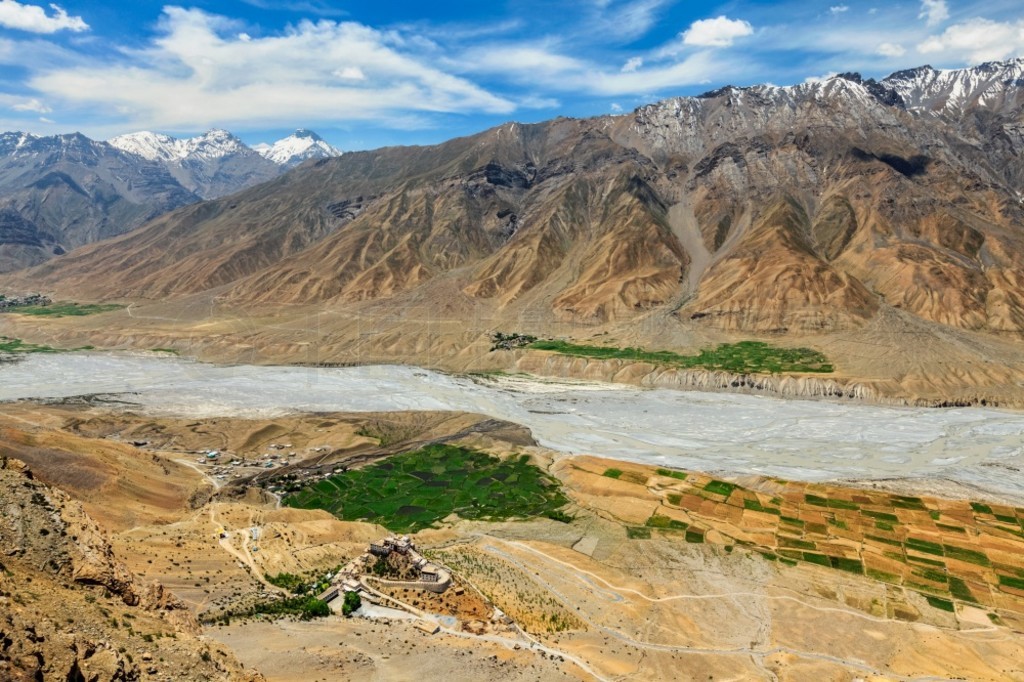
718	32
934	12
616	108
518	58
891	50
536	102
978	40
839	9
351	73
623	20
810	80
32	105
632	64
199	73
536	66
34	19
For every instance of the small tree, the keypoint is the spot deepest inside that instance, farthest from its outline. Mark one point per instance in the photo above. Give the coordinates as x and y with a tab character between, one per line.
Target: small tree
352	603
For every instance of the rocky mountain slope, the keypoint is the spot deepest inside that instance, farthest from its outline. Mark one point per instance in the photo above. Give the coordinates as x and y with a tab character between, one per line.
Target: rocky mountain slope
58	193
828	207
72	611
61	192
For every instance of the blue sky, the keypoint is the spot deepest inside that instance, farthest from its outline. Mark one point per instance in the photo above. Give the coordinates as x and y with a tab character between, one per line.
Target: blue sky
369	74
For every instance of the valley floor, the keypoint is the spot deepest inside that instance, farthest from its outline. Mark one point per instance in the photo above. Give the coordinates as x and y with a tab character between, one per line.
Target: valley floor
658	574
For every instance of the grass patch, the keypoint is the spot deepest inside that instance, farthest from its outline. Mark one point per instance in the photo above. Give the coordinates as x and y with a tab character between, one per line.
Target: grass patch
169	351
924	546
796	544
884	525
880	516
415	490
1010	581
743	357
675	499
638	533
67	309
958	588
613	473
969	555
875	574
694	536
838	524
940	603
680	475
560	516
819	501
720	488
288	581
933	574
753	505
980	508
819	559
9	345
952	529
848	565
305	607
665	523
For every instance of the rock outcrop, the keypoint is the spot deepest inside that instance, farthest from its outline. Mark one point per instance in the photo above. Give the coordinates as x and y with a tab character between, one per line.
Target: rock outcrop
70	610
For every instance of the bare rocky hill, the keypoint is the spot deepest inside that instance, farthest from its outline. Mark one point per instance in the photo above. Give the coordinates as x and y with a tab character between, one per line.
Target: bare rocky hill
70	610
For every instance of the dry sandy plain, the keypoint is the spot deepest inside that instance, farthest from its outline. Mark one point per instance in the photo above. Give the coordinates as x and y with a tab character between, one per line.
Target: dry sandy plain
620	593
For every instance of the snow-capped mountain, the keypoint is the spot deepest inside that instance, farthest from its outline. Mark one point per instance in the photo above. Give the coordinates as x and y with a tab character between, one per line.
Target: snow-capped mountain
211	165
214	144
63	191
300	146
953	91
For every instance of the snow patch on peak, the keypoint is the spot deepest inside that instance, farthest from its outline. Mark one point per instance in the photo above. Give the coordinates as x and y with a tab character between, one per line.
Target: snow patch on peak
213	144
148	145
300	146
927	90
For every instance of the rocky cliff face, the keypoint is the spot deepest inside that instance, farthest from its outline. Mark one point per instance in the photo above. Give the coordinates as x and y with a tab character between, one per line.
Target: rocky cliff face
70	610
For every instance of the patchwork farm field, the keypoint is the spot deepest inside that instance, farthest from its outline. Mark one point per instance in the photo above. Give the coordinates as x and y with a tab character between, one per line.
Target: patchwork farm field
415	490
950	552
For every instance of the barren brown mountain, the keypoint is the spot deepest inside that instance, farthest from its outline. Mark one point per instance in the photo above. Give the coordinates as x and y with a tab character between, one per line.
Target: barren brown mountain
838	213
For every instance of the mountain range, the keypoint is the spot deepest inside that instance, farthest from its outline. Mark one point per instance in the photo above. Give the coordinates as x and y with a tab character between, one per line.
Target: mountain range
64	191
890	209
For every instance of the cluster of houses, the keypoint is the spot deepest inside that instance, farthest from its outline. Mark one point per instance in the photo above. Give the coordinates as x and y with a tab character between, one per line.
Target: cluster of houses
8	302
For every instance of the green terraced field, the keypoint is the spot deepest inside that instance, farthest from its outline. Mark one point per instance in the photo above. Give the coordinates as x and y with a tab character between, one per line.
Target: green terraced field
415	490
743	358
